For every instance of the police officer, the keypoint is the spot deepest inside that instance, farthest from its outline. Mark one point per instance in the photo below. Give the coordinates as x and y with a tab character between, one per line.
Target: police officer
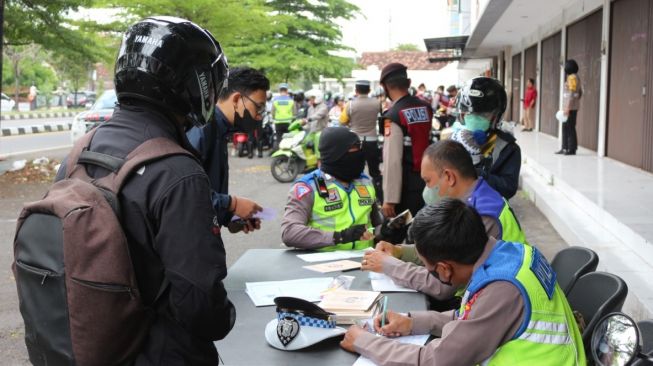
407	126
361	116
168	75
333	207
283	112
447	171
513	312
480	105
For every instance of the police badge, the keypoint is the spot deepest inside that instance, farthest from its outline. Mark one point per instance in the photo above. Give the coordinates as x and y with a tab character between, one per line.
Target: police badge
287	330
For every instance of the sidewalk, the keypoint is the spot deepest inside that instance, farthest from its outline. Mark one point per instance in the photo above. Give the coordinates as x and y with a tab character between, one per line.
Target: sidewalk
598	203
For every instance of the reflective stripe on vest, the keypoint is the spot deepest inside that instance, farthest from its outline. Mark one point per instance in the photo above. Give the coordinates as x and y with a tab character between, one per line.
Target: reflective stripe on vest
283	110
342	209
488	202
549	334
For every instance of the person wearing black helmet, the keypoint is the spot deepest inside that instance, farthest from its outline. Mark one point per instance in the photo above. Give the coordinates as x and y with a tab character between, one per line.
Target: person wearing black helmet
407	131
333	207
168	74
573	91
240	107
496	155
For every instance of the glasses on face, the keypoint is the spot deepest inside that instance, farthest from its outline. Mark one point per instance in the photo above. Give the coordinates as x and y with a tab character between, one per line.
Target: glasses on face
260	108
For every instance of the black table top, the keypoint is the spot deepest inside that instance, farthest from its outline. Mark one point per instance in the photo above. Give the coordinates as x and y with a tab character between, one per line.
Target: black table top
246	344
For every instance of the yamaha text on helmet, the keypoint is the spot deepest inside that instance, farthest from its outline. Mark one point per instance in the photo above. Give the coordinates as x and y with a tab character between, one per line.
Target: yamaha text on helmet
483	95
173	63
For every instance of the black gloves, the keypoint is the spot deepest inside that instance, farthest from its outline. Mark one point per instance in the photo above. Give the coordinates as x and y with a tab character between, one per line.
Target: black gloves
392	235
350	234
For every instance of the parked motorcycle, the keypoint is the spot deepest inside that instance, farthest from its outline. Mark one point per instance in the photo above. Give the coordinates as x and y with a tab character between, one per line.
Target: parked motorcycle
296	154
239	140
616	341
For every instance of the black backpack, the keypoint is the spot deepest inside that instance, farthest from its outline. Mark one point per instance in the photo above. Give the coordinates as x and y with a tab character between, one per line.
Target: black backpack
76	285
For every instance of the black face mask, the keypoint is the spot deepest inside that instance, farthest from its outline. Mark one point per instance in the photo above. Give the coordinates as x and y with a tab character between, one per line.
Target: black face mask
245	123
347	168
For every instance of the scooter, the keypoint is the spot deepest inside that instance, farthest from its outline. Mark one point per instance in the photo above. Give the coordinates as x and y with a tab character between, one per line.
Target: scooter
616	341
239	140
296	154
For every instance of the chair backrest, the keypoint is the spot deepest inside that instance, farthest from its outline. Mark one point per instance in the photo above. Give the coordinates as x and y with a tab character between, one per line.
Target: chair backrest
595	295
571	263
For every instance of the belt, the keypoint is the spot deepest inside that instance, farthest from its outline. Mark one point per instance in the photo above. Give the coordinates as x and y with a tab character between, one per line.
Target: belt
408	141
368	138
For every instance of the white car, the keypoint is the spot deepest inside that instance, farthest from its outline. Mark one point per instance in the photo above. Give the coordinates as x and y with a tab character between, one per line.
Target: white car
7	103
101	111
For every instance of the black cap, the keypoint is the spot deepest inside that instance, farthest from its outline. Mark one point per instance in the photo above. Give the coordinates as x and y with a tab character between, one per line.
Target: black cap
296	305
335	142
394	69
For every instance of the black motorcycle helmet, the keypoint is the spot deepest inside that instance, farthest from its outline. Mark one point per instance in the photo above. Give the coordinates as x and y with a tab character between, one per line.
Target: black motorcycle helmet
173	63
483	95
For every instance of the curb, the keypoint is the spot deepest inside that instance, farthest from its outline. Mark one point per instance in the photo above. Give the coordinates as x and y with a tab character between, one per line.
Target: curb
26	130
39	115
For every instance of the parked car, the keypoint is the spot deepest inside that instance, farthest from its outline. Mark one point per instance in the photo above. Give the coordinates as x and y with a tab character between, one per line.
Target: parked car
7	103
101	111
80	99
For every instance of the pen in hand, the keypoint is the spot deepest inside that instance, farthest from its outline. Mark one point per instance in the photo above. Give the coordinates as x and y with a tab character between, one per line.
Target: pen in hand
385	311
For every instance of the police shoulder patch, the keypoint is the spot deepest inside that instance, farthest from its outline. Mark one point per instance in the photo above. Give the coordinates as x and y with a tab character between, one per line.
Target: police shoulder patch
301	189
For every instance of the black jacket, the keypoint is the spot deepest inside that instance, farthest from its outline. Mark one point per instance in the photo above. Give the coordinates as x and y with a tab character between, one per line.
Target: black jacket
501	168
169	221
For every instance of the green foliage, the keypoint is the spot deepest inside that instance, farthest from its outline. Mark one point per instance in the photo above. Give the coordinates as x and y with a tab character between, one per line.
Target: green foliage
407	47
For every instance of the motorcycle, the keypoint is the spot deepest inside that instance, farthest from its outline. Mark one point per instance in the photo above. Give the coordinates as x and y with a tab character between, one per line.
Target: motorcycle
239	140
616	341
296	154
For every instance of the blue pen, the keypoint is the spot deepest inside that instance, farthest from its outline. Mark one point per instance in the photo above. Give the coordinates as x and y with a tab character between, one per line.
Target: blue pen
385	310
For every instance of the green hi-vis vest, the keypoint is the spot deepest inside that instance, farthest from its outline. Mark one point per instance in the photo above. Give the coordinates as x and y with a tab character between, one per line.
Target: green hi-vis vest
488	202
283	110
548	334
342	208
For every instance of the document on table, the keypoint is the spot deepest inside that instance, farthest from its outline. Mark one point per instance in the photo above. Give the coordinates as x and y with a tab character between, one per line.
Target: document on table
419	340
332	256
342	265
309	289
383	283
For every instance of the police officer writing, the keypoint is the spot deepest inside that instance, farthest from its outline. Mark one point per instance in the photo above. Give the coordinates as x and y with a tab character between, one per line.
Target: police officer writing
168	75
495	153
513	311
407	131
240	107
361	115
333	207
283	112
447	171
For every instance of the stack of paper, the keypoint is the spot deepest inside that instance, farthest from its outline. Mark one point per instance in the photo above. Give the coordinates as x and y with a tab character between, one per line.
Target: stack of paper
350	306
342	265
309	289
419	340
383	283
332	256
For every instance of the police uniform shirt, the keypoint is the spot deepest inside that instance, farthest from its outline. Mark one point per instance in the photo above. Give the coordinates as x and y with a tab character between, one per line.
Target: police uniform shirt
361	115
295	231
495	316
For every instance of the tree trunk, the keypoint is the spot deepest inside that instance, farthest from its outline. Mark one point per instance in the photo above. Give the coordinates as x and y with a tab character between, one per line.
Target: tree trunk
17	81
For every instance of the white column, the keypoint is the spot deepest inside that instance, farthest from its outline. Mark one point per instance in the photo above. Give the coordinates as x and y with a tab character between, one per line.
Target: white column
538	80
507	51
521	80
603	90
563	58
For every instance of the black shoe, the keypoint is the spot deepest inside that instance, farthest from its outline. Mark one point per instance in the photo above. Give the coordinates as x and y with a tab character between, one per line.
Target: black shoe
570	153
561	152
260	154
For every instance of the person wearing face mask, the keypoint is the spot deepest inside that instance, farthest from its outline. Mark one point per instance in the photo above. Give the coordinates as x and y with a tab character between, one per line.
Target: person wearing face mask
407	133
513	311
333	207
497	157
447	171
240	107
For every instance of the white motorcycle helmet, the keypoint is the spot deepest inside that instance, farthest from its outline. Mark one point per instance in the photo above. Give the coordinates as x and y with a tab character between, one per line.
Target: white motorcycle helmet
317	94
300	324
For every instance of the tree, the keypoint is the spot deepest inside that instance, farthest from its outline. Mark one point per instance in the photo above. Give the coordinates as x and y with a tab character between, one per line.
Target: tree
303	41
407	47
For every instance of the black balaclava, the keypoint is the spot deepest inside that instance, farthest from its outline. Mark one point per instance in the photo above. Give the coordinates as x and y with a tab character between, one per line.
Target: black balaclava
335	157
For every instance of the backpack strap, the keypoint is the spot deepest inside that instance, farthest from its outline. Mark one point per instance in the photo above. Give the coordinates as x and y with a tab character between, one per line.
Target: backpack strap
150	150
73	157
